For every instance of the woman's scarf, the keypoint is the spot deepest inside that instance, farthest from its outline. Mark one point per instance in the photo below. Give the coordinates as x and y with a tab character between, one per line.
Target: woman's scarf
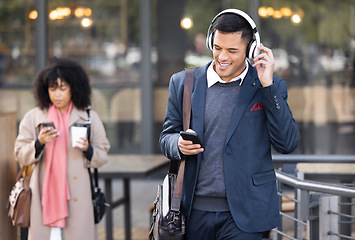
55	192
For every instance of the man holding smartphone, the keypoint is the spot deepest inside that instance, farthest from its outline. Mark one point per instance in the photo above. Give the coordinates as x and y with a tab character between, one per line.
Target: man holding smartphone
239	110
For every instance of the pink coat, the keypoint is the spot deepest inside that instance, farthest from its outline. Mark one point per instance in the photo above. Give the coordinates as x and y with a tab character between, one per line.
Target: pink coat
80	223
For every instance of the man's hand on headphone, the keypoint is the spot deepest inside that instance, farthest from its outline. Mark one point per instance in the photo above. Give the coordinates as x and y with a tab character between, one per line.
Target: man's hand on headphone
265	65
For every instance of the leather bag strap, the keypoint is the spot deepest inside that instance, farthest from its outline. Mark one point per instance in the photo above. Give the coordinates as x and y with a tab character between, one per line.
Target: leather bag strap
27	177
188	87
94	184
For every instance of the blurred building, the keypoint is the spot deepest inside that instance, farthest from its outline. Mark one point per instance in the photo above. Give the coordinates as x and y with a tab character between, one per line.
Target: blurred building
313	43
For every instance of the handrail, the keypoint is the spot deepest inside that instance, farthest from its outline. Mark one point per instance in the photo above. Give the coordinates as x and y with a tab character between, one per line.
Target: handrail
315	186
301	158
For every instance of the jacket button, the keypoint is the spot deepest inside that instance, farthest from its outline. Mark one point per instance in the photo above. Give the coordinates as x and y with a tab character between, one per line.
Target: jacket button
75	199
75	177
74	156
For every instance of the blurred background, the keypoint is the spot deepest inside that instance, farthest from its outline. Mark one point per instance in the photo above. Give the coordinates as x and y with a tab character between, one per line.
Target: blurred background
130	48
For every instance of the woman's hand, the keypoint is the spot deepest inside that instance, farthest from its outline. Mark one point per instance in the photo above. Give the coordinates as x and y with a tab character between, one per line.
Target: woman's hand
188	147
82	144
47	135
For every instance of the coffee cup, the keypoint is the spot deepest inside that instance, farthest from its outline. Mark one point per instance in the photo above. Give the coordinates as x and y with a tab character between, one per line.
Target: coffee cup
78	132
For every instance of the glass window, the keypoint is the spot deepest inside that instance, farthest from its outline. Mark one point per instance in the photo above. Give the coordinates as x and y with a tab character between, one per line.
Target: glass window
95	33
313	44
16	43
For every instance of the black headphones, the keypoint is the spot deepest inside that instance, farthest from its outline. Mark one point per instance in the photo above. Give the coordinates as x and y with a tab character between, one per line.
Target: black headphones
252	49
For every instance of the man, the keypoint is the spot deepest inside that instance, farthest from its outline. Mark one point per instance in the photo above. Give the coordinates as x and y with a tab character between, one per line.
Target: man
238	110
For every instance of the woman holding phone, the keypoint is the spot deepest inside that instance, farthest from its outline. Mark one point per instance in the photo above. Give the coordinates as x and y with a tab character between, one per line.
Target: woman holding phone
61	205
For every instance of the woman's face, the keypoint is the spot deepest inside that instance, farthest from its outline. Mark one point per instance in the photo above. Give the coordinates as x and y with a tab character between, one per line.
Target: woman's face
59	94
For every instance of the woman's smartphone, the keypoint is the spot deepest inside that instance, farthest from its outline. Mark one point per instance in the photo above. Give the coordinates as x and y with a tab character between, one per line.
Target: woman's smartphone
48	124
191	136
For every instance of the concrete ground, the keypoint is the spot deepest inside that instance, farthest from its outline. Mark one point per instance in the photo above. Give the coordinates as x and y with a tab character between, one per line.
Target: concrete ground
143	193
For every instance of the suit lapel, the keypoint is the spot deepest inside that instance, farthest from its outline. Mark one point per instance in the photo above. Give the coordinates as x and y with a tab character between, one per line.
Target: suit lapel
198	101
249	87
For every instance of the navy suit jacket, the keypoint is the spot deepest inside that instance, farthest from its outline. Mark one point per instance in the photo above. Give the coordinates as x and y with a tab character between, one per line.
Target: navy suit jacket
261	119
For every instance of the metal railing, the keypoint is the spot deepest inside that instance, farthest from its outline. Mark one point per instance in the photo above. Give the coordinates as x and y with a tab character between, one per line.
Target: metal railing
334	189
299	158
318	212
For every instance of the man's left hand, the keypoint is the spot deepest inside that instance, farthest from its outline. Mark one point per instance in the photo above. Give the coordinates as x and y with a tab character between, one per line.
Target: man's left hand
265	65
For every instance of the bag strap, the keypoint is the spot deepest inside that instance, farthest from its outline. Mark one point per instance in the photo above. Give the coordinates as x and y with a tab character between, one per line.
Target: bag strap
19	174
27	178
188	87
96	173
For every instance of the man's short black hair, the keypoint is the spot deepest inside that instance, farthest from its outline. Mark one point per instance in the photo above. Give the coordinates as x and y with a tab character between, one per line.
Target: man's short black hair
231	22
69	71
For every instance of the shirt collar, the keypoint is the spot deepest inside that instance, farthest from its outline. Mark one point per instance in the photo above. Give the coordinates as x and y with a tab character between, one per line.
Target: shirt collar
212	76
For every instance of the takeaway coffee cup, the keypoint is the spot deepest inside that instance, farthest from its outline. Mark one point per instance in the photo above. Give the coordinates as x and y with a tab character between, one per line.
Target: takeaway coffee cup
78	131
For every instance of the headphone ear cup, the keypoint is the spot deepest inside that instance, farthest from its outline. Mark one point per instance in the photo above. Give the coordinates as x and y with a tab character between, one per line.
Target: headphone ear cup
251	49
210	41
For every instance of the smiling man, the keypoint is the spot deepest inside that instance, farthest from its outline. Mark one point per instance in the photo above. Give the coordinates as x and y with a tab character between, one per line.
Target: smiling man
229	54
239	111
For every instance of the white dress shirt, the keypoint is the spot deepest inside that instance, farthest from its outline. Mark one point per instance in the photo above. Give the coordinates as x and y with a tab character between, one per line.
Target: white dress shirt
213	77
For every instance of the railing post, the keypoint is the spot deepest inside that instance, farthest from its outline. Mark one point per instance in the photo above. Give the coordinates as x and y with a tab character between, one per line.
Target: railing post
328	222
314	216
345	208
302	212
302	209
275	236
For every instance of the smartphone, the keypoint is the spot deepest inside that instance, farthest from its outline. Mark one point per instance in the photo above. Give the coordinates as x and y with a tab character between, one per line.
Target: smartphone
191	136
48	124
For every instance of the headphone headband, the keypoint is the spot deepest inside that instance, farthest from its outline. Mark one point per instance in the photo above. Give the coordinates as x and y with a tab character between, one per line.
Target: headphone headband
237	12
252	50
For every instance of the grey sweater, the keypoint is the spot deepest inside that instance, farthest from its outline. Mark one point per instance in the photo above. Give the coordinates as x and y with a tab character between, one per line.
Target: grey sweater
210	194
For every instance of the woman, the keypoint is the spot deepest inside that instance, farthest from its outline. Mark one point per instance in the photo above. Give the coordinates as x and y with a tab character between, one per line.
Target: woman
61	206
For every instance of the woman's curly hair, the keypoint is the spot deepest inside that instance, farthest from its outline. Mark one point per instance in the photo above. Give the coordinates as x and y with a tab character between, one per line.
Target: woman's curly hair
69	71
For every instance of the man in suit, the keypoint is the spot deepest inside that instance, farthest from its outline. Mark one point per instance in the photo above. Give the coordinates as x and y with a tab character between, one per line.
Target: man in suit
238	111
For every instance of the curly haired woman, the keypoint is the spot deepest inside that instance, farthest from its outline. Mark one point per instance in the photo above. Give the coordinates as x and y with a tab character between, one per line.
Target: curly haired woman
61	206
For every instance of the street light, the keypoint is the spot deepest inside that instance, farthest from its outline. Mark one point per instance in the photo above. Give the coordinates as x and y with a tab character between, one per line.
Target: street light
86	22
270	11
33	15
262	12
284	12
59	13
80	12
186	23
296	19
277	14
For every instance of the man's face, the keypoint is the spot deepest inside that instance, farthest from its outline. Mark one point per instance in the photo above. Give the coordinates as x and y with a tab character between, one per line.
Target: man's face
229	53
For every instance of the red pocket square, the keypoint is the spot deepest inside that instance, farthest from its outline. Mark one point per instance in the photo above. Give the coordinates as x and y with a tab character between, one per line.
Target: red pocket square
257	106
